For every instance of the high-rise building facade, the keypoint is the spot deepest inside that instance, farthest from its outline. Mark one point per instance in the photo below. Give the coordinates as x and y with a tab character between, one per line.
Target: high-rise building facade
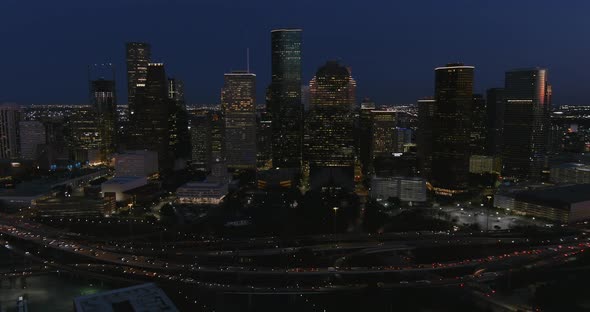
426	109
329	134
451	126
10	115
383	131
180	137
478	135
151	119
201	141
495	120
364	134
138	56
238	103
284	101
264	140
104	101
82	131
176	92
32	137
527	101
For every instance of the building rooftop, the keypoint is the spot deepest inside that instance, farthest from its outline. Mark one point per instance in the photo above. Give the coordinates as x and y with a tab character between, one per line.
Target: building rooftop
145	298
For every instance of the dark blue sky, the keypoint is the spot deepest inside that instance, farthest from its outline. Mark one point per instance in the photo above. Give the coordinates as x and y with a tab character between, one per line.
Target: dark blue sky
392	46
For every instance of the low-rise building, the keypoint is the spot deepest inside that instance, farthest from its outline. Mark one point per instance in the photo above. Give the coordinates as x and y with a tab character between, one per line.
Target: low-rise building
145	297
119	185
480	164
570	173
563	204
74	207
407	189
205	192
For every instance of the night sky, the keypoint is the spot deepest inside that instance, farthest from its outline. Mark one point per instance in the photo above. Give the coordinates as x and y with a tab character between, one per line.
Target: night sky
392	46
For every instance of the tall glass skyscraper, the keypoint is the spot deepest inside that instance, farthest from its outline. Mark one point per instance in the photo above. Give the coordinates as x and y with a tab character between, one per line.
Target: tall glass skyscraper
426	109
238	102
330	124
138	57
451	128
150	120
495	120
104	101
285	98
527	102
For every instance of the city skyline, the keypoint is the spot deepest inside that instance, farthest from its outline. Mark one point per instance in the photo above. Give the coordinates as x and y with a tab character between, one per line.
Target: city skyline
412	54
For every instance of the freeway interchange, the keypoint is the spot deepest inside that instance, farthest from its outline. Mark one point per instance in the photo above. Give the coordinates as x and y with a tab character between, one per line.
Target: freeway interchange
216	267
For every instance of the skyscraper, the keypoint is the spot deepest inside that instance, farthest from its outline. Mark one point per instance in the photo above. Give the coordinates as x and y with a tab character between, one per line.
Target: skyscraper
104	101
495	120
176	92
451	125
477	141
180	137
10	115
365	134
330	123
32	136
426	109
83	137
201	141
150	119
527	100
285	98
383	133
238	102
138	57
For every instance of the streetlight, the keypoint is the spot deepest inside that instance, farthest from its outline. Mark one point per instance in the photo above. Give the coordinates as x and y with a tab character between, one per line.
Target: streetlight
335	214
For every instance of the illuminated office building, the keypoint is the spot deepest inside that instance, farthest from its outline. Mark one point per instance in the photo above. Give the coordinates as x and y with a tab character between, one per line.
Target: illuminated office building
138	56
238	103
150	120
83	131
451	126
527	98
383	133
365	135
329	125
284	101
104	101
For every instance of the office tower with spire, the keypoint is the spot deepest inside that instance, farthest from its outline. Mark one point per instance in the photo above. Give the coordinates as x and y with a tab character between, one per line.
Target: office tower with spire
451	126
527	102
285	98
238	103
